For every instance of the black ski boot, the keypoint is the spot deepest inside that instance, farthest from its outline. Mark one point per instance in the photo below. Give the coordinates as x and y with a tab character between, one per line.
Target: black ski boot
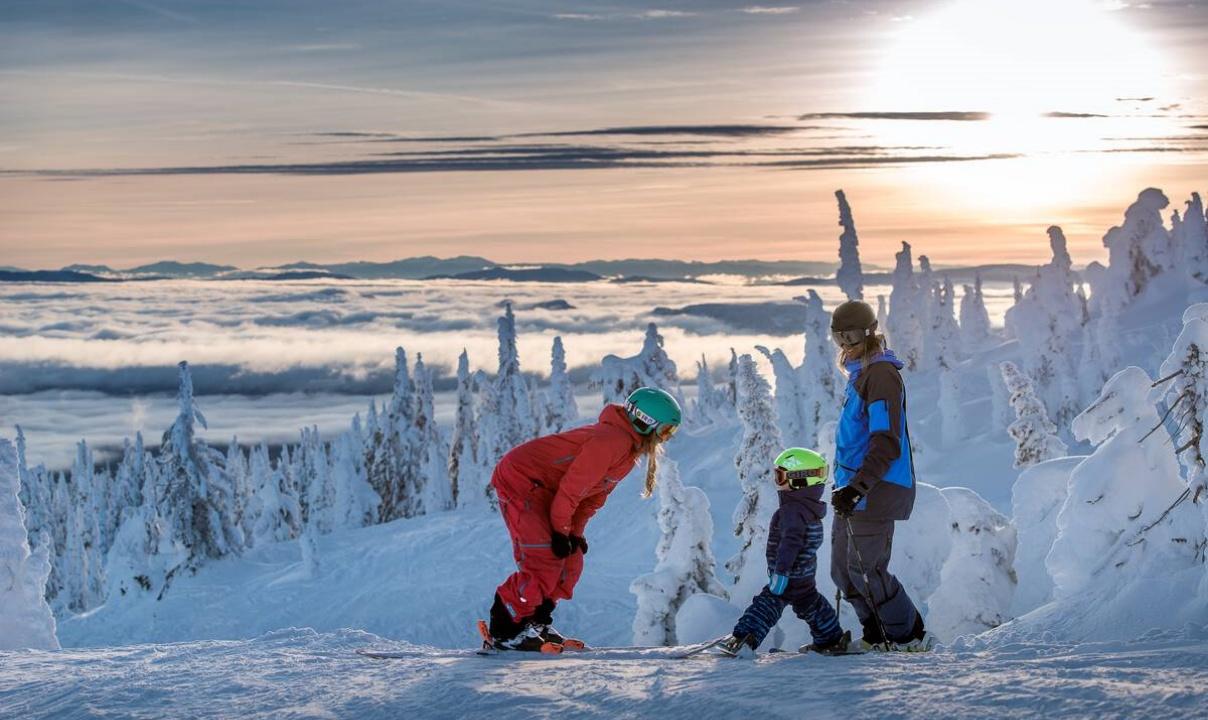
504	633
542	620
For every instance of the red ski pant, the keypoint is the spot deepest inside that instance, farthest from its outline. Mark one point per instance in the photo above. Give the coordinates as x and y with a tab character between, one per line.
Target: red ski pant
540	575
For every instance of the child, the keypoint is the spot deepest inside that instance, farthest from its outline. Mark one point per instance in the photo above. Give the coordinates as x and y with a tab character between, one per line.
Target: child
793	541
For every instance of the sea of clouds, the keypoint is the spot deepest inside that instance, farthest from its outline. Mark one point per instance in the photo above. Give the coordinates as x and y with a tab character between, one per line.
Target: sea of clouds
99	361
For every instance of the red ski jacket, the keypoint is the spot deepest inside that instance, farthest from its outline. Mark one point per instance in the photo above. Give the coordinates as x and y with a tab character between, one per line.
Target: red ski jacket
580	467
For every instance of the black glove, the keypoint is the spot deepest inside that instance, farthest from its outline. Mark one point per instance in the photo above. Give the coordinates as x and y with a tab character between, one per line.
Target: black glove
845	499
580	542
560	544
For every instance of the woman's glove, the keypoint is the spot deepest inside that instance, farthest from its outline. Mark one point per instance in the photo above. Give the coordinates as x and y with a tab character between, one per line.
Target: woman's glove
845	499
777	583
580	542
560	544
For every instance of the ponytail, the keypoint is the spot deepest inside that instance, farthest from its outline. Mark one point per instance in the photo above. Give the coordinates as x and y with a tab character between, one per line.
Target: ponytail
651	449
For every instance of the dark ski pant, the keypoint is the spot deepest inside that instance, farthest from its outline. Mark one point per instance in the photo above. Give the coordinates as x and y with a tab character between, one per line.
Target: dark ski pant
874	539
808	604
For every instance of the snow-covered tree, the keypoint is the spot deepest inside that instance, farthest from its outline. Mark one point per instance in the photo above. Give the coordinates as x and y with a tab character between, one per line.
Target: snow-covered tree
791	394
1117	525
318	491
1001	412
883	318
506	417
1185	394
561	411
952	420
975	320
25	619
432	480
942	346
1140	249
356	503
651	367
277	507
711	403
978	581
1034	434
468	480
820	383
1044	322
757	449
1190	234
850	276
684	560
195	495
906	312
392	453
82	566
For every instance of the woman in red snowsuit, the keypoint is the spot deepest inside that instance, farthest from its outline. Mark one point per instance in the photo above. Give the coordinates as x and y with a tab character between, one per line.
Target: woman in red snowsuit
548	488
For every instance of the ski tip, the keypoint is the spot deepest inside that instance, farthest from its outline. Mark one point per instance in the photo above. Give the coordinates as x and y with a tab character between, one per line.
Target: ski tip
571	644
550	648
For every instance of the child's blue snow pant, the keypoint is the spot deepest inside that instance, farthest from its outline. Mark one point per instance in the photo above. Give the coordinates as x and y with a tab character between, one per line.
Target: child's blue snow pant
802	593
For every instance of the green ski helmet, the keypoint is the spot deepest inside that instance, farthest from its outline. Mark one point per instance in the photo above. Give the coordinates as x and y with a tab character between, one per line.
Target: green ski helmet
798	468
651	410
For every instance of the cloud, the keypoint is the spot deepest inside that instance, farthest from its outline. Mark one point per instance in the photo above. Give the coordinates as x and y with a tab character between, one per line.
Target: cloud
662	14
765	10
963	116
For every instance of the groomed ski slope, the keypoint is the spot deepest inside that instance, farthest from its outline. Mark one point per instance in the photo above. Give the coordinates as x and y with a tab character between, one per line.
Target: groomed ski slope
302	674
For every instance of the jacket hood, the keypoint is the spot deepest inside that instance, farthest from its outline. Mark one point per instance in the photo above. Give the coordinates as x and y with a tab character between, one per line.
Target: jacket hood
615	415
855	366
808	497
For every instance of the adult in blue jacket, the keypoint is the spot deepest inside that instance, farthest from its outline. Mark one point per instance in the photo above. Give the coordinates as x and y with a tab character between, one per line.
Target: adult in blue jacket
874	483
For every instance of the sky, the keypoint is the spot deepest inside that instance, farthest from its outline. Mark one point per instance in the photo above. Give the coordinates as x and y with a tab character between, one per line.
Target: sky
259	133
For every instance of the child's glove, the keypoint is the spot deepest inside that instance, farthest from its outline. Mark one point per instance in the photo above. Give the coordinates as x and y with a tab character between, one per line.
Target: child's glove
580	542
777	583
845	499
560	544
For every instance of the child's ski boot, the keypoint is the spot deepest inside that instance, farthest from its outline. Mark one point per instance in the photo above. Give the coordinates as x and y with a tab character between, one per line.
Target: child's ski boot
738	646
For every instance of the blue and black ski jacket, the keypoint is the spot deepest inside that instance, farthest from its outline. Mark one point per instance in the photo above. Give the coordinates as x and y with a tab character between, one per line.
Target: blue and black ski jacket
872	450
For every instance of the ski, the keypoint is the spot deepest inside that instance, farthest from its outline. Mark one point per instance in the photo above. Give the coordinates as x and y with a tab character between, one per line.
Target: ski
700	648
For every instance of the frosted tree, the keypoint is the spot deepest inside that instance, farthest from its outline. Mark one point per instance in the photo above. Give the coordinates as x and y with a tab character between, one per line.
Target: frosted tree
195	497
820	383
1001	412
1034	434
1190	234
506	417
883	318
82	566
978	581
467	475
651	367
711	403
684	560
561	409
432	479
757	449
975	319
905	312
790	396
943	347
1140	249
1185	394
952	421
391	454
277	509
356	503
1118	522
308	545
236	465
25	618
35	492
849	277
732	380
315	482
1044	321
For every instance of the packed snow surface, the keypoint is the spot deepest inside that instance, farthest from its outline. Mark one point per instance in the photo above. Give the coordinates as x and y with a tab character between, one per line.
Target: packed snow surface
296	673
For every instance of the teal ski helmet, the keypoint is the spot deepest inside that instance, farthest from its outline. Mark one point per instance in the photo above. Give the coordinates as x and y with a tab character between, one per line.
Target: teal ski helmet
651	410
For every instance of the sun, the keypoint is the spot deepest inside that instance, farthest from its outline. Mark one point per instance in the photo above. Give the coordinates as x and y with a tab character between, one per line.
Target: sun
1058	79
1017	57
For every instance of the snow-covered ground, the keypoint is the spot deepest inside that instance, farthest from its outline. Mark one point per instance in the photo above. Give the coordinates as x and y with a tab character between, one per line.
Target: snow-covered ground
294	673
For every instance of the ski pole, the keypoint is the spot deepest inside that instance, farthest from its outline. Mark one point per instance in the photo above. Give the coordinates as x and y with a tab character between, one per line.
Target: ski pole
876	609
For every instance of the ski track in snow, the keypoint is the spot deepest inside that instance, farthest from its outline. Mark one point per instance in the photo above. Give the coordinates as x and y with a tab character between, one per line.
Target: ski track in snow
303	674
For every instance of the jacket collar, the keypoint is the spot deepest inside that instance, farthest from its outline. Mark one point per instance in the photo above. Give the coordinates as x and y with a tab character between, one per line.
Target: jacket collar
854	367
615	415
